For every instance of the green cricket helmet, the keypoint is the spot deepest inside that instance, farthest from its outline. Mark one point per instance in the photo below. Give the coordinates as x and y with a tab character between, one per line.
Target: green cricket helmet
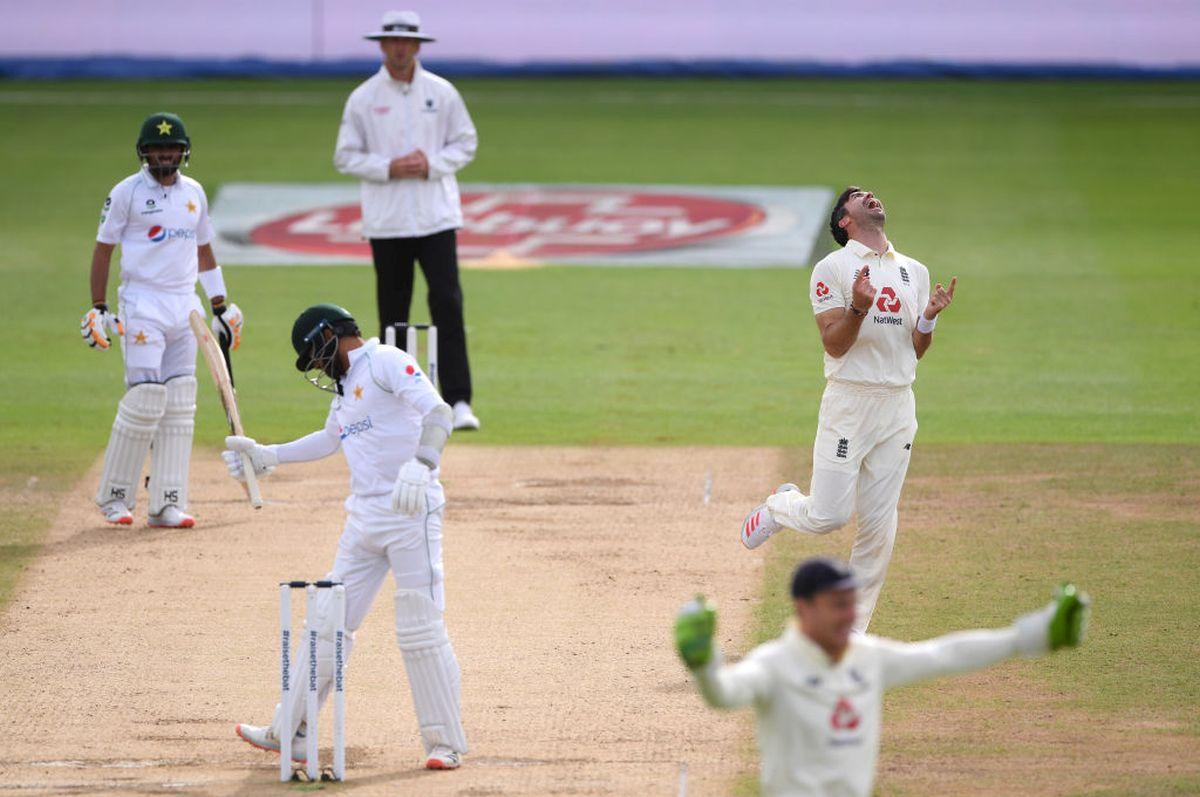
163	128
315	354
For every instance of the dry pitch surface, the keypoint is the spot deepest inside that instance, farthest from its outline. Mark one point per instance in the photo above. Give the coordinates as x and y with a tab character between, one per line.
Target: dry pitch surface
128	654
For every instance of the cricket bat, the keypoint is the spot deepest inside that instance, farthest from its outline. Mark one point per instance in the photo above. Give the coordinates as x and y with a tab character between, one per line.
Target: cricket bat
220	374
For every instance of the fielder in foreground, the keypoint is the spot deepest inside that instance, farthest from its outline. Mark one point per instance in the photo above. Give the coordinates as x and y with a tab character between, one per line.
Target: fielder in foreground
160	219
818	689
389	421
876	315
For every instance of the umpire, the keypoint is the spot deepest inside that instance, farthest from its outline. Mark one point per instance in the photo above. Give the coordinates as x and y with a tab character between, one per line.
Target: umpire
404	134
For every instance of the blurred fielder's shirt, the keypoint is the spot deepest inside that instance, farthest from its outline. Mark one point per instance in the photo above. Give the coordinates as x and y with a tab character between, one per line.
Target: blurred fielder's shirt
819	720
883	355
386	119
158	227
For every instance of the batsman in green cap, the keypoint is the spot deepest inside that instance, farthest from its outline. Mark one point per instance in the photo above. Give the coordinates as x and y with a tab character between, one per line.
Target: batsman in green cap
818	688
159	218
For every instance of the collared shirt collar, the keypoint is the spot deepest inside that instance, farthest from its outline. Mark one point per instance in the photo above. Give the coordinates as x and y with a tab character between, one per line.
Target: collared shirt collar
862	250
355	354
418	70
807	648
151	182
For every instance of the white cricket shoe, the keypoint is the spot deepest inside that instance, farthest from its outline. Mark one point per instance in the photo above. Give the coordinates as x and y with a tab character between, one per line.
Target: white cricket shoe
442	757
758	526
260	736
172	517
116	512
463	417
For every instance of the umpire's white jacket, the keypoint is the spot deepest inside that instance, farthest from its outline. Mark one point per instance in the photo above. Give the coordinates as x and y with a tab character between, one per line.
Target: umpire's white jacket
819	720
385	119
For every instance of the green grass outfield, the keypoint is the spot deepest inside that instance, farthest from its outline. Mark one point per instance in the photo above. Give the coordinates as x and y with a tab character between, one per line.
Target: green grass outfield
1067	210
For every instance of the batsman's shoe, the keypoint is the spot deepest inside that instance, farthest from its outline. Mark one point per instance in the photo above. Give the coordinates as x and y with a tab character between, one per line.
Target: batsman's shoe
442	757
759	525
260	736
116	512
172	517
463	417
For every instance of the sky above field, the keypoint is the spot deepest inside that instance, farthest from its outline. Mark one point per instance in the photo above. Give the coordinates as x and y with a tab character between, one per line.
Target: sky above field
1154	32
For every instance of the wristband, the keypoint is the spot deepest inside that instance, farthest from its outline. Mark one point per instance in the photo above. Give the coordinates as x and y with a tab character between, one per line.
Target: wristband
213	283
859	313
924	325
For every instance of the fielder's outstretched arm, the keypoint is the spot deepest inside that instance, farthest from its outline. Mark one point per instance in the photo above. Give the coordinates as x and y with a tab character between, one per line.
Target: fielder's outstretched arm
1061	623
731	686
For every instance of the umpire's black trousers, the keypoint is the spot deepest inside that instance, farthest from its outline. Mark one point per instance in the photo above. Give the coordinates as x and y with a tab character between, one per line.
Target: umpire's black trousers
438	256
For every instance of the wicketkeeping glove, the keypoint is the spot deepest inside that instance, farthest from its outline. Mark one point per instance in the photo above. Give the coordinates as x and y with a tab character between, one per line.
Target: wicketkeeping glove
1072	610
408	496
1061	623
262	459
97	325
227	325
695	626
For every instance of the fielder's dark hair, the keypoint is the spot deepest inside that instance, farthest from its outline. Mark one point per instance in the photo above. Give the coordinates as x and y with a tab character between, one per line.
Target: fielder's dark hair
839	210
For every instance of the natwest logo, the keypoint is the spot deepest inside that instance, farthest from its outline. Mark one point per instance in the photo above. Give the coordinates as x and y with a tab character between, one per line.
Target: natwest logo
844	717
822	289
158	234
888	302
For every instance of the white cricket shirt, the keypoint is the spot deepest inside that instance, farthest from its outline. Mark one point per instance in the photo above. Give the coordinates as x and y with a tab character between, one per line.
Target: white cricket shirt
158	227
883	355
386	119
377	420
819	721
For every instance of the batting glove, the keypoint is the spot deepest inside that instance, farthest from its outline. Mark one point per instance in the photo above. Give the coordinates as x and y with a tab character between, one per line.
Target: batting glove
695	626
98	324
227	325
1062	623
262	458
408	496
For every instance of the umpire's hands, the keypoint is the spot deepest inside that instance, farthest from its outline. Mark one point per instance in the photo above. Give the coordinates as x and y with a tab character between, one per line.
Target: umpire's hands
695	626
408	496
262	459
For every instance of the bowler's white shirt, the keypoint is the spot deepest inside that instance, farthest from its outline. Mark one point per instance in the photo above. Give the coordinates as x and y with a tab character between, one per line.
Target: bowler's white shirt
819	720
158	227
386	119
883	354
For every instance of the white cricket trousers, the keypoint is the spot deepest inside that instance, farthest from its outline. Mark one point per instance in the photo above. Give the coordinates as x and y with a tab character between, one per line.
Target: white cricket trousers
377	540
860	457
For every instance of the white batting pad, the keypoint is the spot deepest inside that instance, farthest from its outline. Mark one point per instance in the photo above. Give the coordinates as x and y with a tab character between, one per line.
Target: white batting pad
138	416
172	452
433	673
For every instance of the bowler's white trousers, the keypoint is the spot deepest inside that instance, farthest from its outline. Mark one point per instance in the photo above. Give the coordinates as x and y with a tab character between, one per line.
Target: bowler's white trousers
860	457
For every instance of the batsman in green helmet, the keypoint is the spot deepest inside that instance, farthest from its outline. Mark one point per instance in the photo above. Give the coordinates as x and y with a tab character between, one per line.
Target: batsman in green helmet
159	217
818	689
390	423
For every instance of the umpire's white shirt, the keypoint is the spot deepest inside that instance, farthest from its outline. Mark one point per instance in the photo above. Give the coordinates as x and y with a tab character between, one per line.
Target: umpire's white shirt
819	720
386	119
158	227
883	355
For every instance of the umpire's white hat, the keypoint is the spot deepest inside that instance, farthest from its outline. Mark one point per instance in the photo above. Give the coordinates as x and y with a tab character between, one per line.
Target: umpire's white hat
400	25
